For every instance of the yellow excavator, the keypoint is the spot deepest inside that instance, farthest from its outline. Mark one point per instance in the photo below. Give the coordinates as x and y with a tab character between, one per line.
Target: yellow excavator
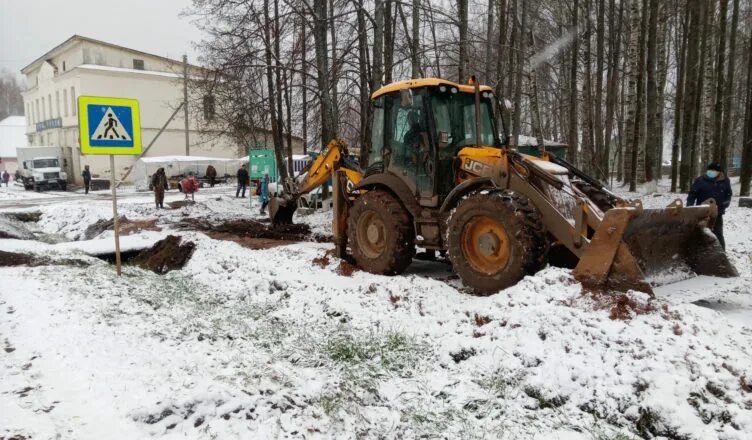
439	177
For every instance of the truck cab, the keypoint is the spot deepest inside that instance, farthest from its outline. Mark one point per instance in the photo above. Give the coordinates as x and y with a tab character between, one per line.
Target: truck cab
43	172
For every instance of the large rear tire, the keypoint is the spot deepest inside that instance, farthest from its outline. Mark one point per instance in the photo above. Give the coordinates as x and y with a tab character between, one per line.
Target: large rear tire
381	234
494	239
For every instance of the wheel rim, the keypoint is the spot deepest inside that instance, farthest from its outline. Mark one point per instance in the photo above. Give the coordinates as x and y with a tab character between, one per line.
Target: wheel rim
371	233
485	245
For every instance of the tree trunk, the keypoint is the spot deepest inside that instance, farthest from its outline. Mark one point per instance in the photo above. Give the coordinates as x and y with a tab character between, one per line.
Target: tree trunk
746	171
516	117
662	73
679	105
500	61
334	71
489	44
651	146
692	79
365	107
415	49
328	129
587	93
707	90
534	104
599	71
728	97
719	85
612	86
388	34
633	97
572	138
273	108
464	57
304	80
378	46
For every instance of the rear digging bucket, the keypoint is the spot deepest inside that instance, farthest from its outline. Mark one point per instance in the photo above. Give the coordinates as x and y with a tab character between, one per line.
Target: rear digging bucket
281	210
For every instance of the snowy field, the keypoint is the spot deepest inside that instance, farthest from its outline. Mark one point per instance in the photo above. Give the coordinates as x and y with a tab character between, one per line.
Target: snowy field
288	342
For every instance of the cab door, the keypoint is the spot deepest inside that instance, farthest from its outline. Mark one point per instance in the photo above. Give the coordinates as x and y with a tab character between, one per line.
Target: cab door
408	144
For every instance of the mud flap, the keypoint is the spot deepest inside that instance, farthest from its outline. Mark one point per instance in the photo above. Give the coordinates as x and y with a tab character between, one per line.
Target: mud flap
634	248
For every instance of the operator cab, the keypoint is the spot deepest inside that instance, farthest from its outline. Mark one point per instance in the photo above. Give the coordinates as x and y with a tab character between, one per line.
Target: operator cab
419	127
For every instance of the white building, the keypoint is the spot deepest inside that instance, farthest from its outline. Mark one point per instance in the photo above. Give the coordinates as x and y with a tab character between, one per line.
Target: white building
84	66
12	136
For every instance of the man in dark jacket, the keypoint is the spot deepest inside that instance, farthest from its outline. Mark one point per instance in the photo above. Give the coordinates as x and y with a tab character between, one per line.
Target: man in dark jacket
86	174
211	174
712	185
243	180
159	185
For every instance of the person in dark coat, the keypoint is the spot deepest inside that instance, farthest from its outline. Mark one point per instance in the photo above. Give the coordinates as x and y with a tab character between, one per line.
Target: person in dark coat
86	174
6	177
243	181
211	174
159	185
712	185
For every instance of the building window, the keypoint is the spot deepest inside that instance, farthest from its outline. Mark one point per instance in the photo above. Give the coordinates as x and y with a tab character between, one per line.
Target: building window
65	101
63	66
49	104
44	110
36	110
73	100
208	107
138	64
57	103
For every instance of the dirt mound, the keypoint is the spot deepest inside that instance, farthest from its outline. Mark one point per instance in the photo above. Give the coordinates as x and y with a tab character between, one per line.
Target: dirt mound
249	242
25	216
166	255
256	229
127	227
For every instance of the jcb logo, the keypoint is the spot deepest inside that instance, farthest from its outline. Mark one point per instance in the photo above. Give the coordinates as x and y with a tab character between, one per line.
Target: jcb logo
476	167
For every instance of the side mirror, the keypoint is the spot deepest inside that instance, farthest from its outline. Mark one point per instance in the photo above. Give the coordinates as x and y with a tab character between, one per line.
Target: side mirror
406	98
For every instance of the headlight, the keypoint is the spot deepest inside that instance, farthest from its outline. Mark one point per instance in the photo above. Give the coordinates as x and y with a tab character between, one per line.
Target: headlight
37	176
63	175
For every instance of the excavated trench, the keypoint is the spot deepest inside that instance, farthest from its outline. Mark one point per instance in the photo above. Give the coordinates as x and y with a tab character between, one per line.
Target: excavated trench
255	234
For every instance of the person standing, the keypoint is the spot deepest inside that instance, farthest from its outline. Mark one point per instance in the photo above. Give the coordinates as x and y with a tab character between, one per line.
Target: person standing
86	174
6	177
243	179
264	193
211	174
712	185
159	185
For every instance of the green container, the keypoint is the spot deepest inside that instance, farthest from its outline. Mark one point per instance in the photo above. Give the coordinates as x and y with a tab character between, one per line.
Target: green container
262	161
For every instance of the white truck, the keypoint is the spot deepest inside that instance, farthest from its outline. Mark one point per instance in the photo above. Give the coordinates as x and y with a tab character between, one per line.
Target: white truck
40	168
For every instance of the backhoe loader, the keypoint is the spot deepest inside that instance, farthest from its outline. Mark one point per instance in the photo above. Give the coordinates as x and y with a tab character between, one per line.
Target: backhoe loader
439	177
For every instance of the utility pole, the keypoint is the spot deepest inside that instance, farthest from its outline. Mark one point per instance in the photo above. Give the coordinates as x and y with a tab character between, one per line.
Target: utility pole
185	104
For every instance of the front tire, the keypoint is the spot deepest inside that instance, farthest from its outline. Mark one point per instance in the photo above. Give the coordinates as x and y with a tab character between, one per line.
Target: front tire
381	234
494	239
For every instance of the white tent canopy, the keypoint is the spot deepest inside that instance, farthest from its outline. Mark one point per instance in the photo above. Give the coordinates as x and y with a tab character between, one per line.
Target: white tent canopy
181	165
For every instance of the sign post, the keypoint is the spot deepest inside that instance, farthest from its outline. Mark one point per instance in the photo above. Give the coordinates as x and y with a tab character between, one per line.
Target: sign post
110	126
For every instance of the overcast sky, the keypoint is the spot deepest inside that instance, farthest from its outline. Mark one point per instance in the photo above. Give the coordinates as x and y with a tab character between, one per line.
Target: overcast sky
29	28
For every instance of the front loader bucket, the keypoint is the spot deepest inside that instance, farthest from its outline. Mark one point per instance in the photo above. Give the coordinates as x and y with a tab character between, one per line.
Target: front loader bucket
281	210
634	248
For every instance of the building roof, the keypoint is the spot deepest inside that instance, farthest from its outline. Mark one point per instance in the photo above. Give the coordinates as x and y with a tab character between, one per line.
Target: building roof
79	38
12	135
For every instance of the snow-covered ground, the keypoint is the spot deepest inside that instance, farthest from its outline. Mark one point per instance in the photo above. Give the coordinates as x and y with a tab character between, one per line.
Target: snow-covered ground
287	343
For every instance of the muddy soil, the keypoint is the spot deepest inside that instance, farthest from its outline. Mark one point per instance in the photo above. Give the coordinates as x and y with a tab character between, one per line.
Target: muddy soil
250	242
248	228
12	259
127	227
166	255
25	216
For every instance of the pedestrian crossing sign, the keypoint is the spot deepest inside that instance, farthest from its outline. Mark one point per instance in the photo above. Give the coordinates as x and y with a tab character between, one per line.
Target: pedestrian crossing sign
109	125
